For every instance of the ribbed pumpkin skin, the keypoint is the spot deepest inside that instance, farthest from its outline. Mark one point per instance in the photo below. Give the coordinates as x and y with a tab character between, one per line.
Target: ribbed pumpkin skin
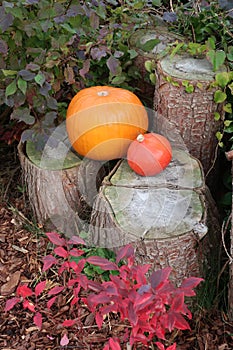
102	121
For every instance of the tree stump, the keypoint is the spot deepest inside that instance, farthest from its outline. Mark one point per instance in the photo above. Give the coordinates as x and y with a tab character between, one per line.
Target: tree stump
143	41
192	113
165	216
61	198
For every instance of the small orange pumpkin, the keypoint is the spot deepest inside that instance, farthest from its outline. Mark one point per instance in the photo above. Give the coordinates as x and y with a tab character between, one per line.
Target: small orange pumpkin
149	154
102	121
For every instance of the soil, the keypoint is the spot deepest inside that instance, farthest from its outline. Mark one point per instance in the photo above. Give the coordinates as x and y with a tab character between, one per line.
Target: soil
22	247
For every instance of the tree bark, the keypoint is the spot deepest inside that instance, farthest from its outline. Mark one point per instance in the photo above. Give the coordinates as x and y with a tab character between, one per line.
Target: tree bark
192	113
230	285
62	199
165	217
138	42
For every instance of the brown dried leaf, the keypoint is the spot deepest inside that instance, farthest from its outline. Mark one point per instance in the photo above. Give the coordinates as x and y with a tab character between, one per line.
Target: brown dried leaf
10	286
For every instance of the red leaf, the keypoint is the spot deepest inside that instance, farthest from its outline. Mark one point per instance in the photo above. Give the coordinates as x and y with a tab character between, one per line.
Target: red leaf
106	347
24	291
125	252
11	303
76	252
37	319
76	240
178	303
51	302
68	323
60	251
99	320
56	239
103	263
64	340
114	344
159	277
28	305
133	318
48	261
188	284
40	288
175	320
172	347
160	345
56	290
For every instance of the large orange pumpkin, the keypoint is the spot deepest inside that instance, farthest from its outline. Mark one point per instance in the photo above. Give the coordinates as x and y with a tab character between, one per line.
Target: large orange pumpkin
102	121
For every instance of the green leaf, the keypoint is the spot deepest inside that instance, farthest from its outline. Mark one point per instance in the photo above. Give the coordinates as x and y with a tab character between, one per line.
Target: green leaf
219	96
23	114
153	78
228	108
156	2
22	85
219	135
11	89
149	45
176	49
132	54
69	29
222	79
40	78
229	129
230	86
217	58
217	116
148	66
189	89
227	122
230	53
211	43
9	72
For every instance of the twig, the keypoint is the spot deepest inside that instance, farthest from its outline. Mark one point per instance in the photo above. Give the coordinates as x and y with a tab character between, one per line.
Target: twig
223	231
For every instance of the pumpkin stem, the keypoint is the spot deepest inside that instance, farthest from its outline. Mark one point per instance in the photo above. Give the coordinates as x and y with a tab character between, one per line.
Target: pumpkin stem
140	138
102	93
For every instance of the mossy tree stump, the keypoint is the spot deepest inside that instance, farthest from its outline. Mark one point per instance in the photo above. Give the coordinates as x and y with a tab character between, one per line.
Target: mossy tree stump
165	216
149	43
184	96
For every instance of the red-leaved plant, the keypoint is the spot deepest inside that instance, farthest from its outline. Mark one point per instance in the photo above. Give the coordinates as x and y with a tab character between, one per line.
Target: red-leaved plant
150	306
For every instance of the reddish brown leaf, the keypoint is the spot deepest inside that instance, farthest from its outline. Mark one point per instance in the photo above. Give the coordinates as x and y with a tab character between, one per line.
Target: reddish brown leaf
40	288
56	290
24	291
11	303
159	277
48	261
28	305
60	251
125	252
99	320
37	319
76	240
68	323
56	239
51	302
103	263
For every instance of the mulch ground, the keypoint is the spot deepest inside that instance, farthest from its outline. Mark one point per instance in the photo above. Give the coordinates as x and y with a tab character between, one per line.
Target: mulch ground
22	247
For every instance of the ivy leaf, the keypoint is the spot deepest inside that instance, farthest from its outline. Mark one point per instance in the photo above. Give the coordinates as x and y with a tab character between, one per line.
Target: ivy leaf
11	88
6	19
3	47
219	96
222	79
149	45
22	85
27	74
23	115
40	78
132	54
113	65
217	58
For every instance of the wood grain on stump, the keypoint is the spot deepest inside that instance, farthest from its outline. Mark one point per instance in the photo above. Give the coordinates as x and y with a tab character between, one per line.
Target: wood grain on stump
164	216
61	199
192	113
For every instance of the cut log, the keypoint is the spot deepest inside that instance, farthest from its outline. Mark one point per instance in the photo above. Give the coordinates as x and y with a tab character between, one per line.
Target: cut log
149	43
61	199
165	217
192	113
